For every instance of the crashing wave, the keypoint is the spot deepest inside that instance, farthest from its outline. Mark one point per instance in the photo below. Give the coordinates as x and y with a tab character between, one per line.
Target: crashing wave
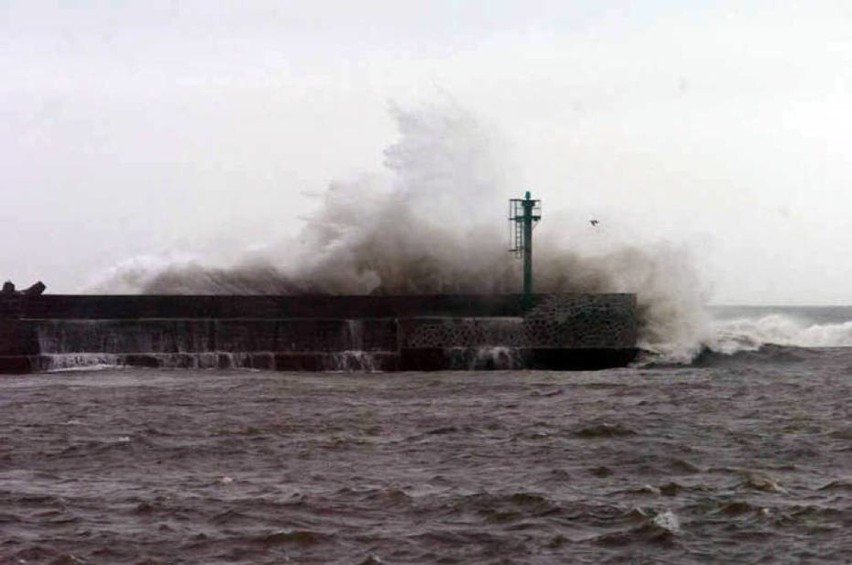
745	334
434	223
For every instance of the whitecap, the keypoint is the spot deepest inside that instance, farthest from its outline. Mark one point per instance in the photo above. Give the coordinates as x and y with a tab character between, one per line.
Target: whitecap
668	521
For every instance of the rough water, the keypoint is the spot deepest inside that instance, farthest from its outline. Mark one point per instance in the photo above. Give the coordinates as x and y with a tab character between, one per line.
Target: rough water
742	457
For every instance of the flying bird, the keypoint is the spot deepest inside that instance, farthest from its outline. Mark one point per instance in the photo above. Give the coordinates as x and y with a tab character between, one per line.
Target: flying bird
594	222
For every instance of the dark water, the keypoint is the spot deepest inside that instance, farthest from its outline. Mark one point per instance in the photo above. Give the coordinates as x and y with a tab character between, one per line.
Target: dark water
744	458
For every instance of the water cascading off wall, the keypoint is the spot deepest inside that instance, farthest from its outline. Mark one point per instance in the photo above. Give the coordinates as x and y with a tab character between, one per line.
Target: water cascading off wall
319	333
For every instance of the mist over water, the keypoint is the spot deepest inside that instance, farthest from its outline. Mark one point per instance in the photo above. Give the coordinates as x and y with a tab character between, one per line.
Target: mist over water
435	222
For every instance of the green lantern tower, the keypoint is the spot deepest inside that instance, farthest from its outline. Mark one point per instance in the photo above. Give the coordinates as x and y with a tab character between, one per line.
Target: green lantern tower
523	215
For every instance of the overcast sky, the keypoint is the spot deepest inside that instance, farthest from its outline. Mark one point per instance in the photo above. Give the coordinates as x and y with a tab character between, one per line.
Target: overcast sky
134	128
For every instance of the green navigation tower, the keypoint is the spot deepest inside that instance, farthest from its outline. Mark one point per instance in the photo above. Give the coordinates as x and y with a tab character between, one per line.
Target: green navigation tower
523	215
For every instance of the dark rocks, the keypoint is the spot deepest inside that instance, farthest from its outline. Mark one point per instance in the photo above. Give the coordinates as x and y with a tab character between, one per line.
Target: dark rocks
35	290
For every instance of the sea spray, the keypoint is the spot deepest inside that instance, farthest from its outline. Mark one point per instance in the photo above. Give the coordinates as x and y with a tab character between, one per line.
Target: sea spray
433	222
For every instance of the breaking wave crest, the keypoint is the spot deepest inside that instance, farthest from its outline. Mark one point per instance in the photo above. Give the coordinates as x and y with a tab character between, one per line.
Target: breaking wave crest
434	222
750	334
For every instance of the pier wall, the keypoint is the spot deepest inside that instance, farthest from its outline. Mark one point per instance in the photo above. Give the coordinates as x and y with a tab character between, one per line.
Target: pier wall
318	332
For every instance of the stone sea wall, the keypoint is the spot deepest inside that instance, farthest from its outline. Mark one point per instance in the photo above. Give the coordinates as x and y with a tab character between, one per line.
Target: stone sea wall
318	332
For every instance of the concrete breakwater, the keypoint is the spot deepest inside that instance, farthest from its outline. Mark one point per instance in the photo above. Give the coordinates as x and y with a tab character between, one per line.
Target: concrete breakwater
318	333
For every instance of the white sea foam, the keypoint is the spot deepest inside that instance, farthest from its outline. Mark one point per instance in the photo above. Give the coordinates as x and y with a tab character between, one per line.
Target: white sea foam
70	362
749	334
668	521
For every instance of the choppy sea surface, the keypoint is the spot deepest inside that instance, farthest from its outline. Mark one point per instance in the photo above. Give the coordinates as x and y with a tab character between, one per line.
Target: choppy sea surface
743	456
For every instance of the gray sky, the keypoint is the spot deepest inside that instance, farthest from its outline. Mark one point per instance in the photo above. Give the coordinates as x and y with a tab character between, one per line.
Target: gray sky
134	128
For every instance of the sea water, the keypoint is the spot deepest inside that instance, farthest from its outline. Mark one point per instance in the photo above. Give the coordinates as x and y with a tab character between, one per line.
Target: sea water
745	455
